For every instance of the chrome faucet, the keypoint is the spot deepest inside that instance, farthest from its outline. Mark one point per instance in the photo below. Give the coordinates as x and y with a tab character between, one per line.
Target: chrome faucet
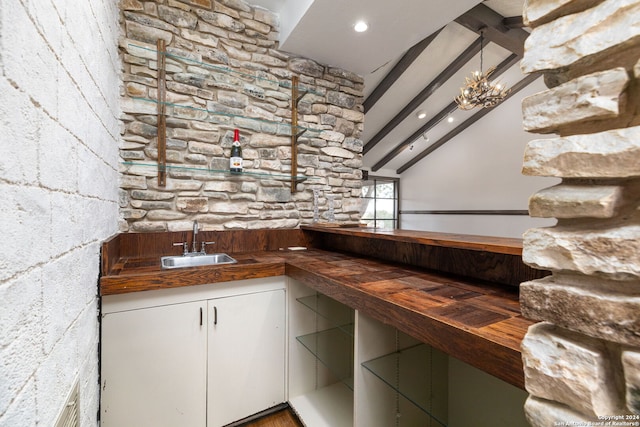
194	244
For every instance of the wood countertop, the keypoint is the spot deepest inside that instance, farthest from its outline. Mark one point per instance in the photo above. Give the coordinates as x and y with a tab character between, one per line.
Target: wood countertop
135	274
473	320
499	245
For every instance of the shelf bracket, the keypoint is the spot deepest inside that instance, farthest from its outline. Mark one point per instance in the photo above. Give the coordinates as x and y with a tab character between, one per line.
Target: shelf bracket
295	98
162	120
301	95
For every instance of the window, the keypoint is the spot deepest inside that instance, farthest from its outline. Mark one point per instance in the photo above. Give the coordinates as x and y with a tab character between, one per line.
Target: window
380	202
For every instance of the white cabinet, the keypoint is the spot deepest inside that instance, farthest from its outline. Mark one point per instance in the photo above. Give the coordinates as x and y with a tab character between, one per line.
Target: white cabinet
154	364
246	355
195	356
213	354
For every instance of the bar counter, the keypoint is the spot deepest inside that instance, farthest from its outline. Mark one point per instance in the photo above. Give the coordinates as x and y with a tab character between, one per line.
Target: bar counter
473	317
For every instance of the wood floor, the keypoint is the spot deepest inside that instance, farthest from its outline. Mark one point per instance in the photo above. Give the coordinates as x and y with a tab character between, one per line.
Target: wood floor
284	418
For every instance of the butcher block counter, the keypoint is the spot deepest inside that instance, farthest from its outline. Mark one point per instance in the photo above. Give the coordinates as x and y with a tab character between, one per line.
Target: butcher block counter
456	293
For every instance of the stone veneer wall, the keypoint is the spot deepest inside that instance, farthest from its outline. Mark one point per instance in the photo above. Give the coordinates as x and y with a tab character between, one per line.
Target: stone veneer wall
582	362
234	77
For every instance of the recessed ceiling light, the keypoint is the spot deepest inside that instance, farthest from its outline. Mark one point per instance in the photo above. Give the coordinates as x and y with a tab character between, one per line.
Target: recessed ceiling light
421	114
361	26
450	119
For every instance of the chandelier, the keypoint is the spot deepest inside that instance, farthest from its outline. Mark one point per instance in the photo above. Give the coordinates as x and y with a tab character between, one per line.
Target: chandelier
478	91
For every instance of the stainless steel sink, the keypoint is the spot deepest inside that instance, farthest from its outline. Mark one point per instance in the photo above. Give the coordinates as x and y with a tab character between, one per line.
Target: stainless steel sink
182	261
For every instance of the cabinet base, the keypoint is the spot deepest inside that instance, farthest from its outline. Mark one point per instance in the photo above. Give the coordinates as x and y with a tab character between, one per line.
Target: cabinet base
259	415
331	406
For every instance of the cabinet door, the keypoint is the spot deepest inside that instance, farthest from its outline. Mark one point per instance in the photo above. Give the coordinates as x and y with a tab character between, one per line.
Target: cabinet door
246	355
154	367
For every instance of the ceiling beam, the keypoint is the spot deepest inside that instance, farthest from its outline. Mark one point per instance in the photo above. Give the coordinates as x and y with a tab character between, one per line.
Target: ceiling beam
513	22
407	142
495	28
407	59
449	71
501	68
462	126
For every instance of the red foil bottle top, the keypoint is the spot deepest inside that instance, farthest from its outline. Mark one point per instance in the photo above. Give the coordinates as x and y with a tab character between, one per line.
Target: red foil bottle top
236	135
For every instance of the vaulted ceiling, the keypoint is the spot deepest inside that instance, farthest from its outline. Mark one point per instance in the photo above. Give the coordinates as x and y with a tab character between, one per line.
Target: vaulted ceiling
414	58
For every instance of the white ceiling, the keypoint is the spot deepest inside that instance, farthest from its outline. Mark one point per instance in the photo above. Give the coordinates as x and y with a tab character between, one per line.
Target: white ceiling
322	30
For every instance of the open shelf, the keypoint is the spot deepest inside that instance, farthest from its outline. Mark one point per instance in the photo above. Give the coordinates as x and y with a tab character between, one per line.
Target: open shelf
408	373
321	358
266	125
334	349
282	83
330	406
339	315
208	171
207	75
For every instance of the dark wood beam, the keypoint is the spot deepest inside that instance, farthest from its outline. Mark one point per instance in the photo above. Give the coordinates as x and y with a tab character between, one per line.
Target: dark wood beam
513	22
407	59
466	212
464	125
501	68
408	141
494	27
449	71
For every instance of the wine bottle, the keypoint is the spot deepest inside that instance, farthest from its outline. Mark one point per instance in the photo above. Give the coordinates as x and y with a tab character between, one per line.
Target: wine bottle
235	162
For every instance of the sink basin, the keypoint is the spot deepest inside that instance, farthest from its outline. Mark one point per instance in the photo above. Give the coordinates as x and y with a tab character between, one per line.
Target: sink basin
181	261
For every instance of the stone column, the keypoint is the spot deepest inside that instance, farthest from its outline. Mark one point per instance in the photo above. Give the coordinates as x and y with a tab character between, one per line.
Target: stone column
582	361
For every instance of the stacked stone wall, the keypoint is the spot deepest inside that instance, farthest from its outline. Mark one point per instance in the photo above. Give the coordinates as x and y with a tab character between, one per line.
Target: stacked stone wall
582	361
224	71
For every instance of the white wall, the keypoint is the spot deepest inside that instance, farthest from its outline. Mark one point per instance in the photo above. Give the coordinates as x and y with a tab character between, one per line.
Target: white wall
58	200
480	169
